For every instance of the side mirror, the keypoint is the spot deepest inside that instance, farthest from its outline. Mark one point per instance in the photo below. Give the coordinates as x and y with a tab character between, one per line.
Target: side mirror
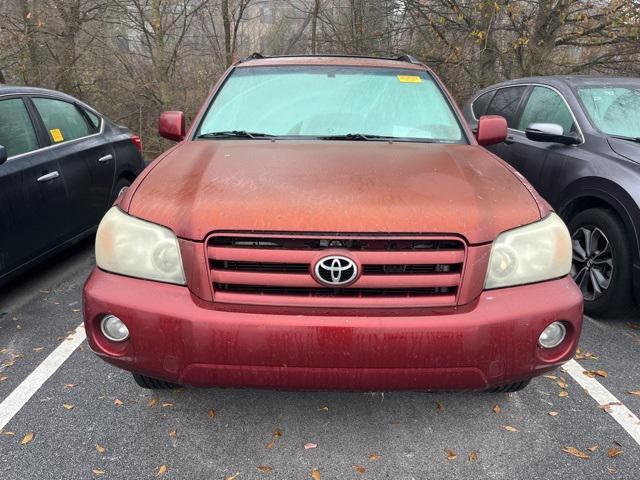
492	129
172	126
550	132
3	155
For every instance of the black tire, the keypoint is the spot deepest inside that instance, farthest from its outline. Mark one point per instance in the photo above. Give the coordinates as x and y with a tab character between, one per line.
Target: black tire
512	387
616	299
121	185
153	383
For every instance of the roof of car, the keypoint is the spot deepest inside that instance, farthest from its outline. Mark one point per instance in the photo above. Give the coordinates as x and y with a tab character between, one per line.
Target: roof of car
403	61
18	90
567	80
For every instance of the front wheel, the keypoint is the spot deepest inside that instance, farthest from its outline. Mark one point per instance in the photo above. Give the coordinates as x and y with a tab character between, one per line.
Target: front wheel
601	264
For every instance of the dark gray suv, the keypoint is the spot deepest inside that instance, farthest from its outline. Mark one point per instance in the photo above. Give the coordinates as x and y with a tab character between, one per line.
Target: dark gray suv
577	140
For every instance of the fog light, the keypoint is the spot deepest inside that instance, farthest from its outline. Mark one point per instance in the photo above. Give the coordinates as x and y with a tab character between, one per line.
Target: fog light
114	329
553	335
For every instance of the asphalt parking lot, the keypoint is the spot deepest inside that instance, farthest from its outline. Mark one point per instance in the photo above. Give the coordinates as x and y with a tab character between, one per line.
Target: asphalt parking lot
90	420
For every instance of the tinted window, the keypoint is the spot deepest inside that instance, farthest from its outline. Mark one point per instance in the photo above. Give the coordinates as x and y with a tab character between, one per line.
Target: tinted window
505	103
613	110
481	103
62	120
94	119
17	134
546	106
316	101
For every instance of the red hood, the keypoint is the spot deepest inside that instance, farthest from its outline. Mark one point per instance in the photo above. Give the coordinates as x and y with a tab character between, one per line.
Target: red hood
340	186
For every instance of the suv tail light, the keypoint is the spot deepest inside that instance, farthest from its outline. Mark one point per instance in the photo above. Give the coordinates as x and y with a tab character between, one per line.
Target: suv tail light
137	142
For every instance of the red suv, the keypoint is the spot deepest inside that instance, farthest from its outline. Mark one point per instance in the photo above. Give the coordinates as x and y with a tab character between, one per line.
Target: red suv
331	222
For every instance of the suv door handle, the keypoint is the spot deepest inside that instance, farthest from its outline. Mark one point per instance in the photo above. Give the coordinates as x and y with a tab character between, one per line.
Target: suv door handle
48	177
509	140
105	158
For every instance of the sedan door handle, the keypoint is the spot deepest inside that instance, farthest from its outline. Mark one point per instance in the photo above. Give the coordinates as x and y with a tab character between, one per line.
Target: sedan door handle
48	177
105	158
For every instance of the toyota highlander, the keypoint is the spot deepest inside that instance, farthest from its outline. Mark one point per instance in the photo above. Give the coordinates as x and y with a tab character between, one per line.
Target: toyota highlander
331	222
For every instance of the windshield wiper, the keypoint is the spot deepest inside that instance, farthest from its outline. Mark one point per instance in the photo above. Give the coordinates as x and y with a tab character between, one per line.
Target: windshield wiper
236	134
366	136
630	139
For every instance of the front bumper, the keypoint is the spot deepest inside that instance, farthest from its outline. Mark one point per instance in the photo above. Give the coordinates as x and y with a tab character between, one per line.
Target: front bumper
177	337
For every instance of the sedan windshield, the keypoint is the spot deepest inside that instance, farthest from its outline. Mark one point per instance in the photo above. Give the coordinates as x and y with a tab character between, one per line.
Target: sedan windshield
337	103
613	110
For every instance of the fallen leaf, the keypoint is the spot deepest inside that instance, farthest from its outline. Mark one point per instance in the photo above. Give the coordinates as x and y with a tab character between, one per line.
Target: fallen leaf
585	356
265	468
550	377
117	402
38	349
576	453
315	474
439	405
212	413
75	310
451	455
553	414
359	468
161	470
68	406
271	444
309	445
562	383
27	438
611	470
2	432
3	378
323	409
496	408
563	393
167	404
100	448
633	392
173	433
592	449
98	471
614	452
232	477
373	457
70	385
152	402
277	433
473	456
510	428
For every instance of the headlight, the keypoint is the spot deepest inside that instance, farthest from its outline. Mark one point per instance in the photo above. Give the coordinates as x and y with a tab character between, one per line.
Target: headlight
533	253
133	247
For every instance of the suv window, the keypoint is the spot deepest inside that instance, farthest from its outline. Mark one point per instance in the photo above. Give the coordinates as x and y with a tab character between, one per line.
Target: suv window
481	103
505	103
17	134
63	120
546	106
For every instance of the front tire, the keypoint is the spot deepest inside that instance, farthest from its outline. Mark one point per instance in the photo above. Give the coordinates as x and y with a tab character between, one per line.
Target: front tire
153	383
601	262
121	186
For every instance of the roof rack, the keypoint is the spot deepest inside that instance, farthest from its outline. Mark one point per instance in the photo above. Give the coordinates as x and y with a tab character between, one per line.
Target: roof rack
400	58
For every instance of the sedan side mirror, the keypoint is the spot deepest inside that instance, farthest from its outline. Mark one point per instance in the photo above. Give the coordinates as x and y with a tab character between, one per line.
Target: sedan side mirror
3	155
172	126
550	132
492	129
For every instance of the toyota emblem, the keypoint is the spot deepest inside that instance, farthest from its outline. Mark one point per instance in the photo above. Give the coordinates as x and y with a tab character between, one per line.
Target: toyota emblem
335	270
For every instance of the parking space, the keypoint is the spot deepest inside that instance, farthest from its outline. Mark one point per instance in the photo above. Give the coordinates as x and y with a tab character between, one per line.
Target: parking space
90	420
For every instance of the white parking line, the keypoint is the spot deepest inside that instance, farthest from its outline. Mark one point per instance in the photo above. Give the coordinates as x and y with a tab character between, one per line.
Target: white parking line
604	397
30	385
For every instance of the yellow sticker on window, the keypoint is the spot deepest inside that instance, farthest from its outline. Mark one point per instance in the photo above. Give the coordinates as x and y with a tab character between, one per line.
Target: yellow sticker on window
409	79
56	135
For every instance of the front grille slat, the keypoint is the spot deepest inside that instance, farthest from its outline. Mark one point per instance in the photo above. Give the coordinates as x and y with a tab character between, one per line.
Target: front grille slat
275	269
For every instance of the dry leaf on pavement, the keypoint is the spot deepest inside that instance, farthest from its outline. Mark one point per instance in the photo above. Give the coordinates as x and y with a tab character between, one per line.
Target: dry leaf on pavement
576	453
439	405
563	393
553	414
27	438
451	455
309	445
510	428
173	433
359	468
373	457
152	402
117	402
70	385
98	471
592	449
323	409
265	468
632	392
167	404
212	413
315	474
232	477
496	408
68	406
614	452
100	448
473	456
161	470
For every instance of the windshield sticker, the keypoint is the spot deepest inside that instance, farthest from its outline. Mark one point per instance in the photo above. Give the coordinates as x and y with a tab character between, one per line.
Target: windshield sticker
56	135
409	79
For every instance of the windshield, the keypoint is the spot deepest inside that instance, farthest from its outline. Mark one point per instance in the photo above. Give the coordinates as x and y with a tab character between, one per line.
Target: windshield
613	110
332	101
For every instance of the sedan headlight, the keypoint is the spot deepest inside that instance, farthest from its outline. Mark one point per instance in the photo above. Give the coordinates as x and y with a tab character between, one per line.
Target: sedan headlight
130	246
533	253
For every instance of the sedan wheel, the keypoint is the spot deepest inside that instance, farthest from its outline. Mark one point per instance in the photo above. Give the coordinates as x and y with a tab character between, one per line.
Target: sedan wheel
592	267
